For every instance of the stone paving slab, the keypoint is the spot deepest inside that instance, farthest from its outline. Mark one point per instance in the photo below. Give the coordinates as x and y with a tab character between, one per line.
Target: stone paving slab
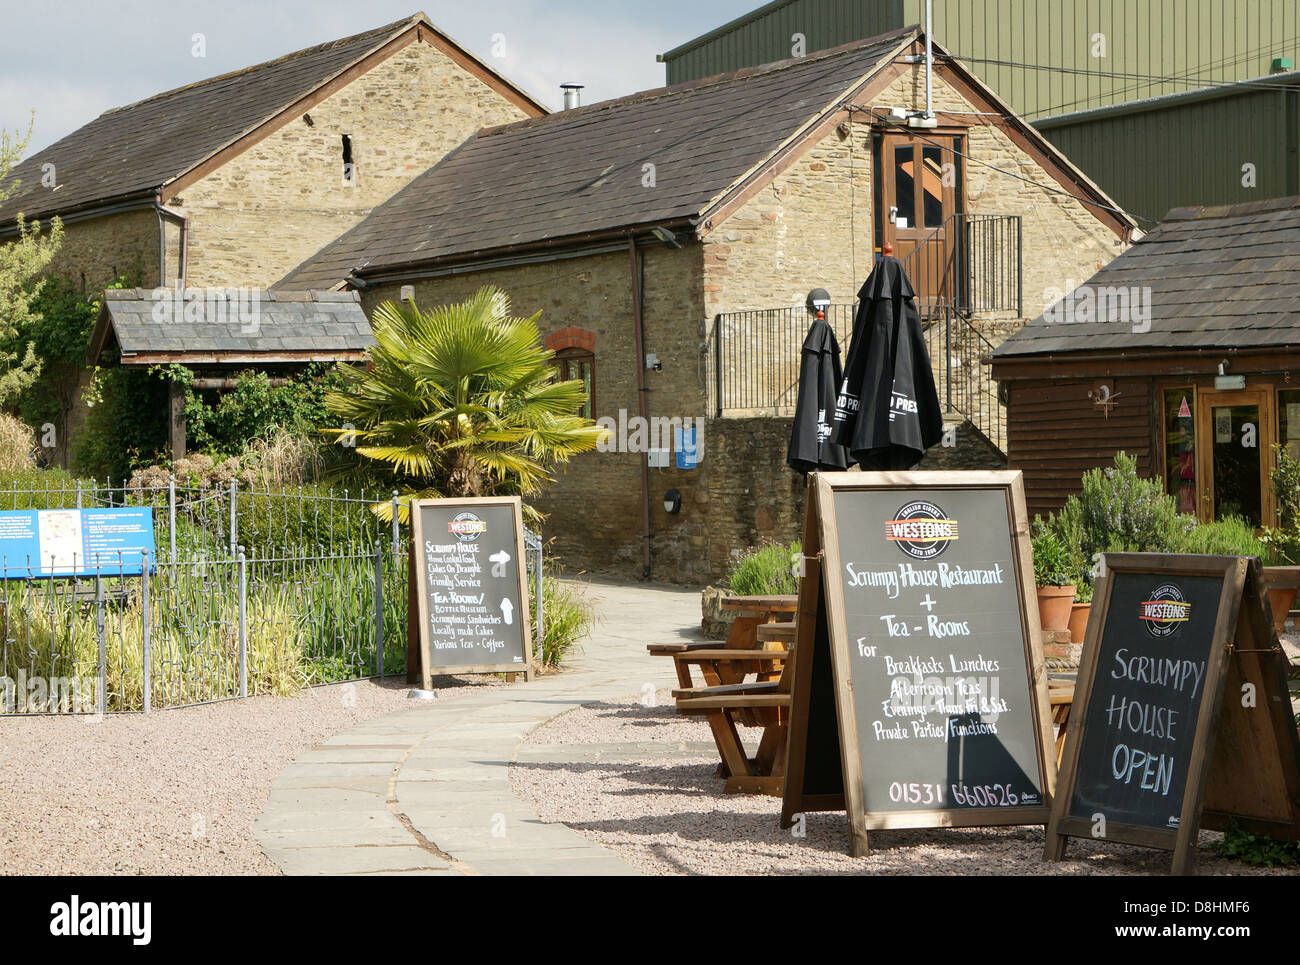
426	790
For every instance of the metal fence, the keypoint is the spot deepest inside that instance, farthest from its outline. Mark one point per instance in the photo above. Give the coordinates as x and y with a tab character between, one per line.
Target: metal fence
252	591
970	264
754	362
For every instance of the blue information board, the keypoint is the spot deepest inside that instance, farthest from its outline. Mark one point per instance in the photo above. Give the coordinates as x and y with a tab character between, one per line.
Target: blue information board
75	542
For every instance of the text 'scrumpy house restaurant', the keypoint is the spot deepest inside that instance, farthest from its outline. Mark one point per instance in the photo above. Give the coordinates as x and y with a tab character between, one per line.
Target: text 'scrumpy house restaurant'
920	696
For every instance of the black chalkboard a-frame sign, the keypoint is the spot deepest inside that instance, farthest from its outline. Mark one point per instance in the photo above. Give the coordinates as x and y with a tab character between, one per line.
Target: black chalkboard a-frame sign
919	695
1181	716
468	596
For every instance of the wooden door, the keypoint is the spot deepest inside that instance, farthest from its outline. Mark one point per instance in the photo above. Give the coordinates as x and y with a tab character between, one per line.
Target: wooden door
920	189
1234	435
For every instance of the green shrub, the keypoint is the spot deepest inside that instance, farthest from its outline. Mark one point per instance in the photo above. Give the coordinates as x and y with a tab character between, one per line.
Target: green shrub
1283	541
764	570
1229	536
1053	560
1256	849
228	422
126	425
567	615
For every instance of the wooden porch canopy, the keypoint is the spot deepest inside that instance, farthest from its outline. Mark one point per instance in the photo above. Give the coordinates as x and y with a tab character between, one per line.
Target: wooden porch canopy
222	331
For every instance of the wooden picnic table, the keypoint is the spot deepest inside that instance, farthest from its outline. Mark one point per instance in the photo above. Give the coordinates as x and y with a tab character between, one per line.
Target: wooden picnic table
767	604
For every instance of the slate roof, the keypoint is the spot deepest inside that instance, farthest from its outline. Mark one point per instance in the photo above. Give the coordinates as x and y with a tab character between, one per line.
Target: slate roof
277	325
1218	276
580	171
131	151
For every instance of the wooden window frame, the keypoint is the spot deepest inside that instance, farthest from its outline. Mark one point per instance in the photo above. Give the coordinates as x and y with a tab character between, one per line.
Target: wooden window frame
567	356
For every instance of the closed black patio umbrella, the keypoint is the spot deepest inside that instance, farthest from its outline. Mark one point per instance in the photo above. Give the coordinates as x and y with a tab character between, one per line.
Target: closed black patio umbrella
887	413
819	380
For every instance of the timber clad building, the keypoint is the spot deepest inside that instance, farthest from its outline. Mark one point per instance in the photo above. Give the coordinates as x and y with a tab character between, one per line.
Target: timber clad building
1217	295
690	223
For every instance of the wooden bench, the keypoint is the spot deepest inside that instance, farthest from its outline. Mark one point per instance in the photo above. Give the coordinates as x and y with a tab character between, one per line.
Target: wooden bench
754	613
760	703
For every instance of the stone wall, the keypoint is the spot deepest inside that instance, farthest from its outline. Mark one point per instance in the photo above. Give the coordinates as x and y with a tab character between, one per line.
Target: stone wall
96	251
270	208
753	496
594	507
1063	240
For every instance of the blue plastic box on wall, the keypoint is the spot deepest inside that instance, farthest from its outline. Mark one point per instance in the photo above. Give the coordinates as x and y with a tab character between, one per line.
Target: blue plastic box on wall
76	542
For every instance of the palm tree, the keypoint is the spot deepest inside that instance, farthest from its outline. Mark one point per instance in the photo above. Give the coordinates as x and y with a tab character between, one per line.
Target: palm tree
461	400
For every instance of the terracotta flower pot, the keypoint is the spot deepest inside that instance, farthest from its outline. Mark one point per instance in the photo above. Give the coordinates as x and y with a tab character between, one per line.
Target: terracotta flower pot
1079	621
1054	607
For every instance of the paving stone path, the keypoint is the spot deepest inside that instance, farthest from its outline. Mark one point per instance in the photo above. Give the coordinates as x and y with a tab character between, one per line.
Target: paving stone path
426	791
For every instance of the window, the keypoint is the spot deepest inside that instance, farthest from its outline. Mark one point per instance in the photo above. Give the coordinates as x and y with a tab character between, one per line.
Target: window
349	169
579	365
1288	420
904	189
932	185
1180	447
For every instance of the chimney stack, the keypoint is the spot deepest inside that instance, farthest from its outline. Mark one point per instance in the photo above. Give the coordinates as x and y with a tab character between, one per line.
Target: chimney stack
572	95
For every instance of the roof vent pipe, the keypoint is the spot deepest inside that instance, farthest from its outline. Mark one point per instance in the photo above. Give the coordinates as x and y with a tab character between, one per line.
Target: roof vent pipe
572	95
927	120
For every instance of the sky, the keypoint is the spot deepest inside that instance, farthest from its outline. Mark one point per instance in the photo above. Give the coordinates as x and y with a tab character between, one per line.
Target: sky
71	60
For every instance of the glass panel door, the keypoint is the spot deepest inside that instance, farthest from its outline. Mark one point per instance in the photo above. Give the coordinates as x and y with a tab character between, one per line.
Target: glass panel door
1237	472
1180	447
1234	430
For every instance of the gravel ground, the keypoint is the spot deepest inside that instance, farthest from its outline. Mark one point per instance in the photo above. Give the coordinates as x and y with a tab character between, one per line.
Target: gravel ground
172	793
671	816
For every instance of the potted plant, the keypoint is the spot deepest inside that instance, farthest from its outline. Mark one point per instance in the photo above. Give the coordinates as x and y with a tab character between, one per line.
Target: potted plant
1052	574
1282	543
1079	610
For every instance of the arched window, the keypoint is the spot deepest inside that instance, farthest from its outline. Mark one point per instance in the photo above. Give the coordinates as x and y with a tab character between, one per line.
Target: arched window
579	365
575	357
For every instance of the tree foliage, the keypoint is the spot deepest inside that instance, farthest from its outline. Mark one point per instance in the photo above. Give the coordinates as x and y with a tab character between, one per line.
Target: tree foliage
21	262
461	400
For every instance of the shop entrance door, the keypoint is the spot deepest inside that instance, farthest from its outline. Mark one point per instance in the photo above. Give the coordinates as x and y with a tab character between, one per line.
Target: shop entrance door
1234	432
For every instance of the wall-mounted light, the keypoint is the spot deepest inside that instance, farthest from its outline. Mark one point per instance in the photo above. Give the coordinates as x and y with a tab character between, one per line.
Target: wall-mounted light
1228	383
673	502
407	293
661	233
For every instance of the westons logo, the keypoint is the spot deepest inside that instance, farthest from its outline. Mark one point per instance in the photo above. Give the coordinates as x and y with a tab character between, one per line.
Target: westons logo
921	529
467	527
1165	612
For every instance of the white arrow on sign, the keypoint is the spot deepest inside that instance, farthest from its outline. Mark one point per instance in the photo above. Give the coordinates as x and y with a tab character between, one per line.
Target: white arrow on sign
499	561
507	611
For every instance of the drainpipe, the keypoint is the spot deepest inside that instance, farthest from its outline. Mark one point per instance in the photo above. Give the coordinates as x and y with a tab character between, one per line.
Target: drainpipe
165	214
637	264
929	60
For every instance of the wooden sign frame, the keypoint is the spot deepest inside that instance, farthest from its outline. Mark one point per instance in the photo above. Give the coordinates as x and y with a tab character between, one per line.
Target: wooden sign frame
1245	762
417	621
821	590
